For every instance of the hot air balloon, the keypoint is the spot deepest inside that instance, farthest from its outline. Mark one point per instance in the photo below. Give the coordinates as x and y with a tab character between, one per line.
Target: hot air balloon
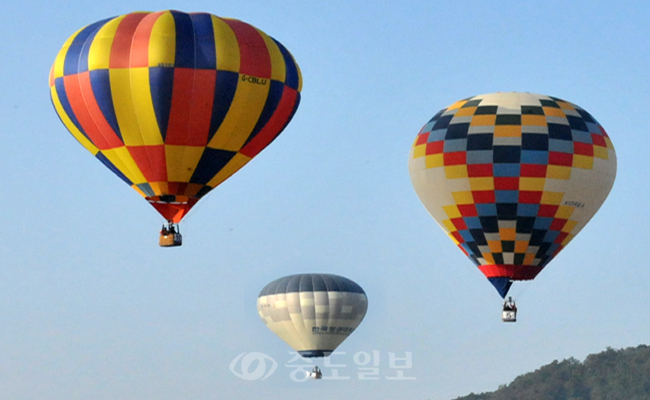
313	313
174	103
512	178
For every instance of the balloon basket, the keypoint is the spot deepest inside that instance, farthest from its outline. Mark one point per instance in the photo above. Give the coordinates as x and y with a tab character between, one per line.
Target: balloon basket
170	240
509	316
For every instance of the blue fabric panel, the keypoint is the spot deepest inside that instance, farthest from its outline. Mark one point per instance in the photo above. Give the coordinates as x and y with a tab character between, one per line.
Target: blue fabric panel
224	92
161	83
185	50
101	157
479	156
101	85
206	55
71	64
539	157
291	75
502	285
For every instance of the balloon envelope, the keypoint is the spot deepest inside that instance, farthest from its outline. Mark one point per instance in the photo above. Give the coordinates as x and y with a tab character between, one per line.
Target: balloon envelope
313	313
512	178
174	103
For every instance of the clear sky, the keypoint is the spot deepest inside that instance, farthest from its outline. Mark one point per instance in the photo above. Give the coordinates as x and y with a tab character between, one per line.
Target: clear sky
92	308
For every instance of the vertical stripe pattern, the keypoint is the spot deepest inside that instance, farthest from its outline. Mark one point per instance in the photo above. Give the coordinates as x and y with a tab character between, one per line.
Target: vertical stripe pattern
174	103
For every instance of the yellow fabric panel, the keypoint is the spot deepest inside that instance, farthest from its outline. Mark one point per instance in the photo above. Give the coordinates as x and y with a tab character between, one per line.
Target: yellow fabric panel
457	104
419	151
601	152
532	184
528	259
567	239
456	171
124	109
534	120
137	189
584	162
87	144
564	212
148	132
521	246
449	225
508	233
463	197
464	112
564	105
452	211
558	172
159	188
162	43
554	112
226	45
299	73
278	68
242	116
551	198
609	143
481	183
435	161
482	120
489	260
507	131
99	53
568	227
238	161
495	246
181	162
121	158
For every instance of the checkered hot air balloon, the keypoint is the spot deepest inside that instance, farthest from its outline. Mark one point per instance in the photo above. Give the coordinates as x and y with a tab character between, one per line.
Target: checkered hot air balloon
174	103
512	178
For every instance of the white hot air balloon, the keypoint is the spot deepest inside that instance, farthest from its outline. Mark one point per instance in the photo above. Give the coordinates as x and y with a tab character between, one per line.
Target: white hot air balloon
313	313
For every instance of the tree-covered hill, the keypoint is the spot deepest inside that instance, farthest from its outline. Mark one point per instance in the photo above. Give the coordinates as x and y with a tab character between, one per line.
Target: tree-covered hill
611	375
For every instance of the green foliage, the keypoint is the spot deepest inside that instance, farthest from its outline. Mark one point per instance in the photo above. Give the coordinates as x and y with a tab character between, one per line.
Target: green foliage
611	375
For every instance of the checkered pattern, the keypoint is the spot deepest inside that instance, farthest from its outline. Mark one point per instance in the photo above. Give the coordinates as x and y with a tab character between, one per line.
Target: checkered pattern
513	153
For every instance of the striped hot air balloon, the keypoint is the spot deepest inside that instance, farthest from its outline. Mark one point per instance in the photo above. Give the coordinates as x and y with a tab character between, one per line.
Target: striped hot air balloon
512	178
313	313
174	103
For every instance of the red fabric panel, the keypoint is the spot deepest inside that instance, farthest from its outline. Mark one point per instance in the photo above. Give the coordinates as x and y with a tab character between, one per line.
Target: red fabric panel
151	162
483	196
254	56
514	272
121	48
530	197
533	171
509	183
479	170
191	110
455	158
87	111
434	147
274	126
140	43
467	210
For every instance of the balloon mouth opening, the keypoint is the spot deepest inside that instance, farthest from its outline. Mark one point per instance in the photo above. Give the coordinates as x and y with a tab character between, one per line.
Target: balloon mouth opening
172	208
315	353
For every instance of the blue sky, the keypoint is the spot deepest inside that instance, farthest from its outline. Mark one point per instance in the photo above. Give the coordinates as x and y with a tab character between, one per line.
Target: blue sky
91	307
